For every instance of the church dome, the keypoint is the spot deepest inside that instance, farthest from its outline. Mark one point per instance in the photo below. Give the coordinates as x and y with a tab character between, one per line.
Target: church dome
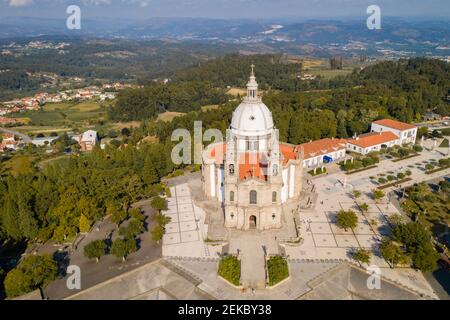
252	117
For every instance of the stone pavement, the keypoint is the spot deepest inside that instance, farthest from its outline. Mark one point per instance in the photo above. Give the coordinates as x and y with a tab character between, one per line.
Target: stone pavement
186	232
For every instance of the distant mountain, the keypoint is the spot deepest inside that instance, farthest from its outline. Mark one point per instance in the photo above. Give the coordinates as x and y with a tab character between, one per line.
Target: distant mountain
398	37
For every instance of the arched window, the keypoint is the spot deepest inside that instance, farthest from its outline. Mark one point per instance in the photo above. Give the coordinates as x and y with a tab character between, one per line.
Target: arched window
231	169
231	196
253	197
274	196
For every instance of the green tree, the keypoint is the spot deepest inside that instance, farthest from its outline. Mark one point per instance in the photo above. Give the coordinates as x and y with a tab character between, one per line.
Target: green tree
362	255
393	253
364	207
134	228
347	219
34	272
95	249
158	233
377	194
121	248
118	216
85	224
356	194
159	203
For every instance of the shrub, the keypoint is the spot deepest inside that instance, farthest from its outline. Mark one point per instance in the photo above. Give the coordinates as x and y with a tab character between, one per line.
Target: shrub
230	269
391	177
400	175
382	180
278	269
429	166
417	148
408	172
367	162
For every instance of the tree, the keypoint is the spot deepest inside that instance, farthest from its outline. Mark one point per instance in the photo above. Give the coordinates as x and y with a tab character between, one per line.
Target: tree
396	219
377	194
34	272
118	216
356	194
136	213
95	249
122	248
393	253
159	203
364	207
347	219
134	228
362	255
158	233
162	219
85	224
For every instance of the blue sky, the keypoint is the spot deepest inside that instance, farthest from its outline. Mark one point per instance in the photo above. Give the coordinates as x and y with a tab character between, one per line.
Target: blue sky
141	9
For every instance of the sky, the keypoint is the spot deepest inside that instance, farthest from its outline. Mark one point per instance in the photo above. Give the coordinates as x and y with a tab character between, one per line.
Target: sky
228	9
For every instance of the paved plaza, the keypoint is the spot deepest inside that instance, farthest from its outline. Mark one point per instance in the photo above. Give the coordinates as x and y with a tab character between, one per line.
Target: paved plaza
186	232
322	241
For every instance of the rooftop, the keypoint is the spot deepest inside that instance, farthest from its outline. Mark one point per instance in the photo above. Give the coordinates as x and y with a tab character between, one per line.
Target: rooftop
373	139
323	146
394	124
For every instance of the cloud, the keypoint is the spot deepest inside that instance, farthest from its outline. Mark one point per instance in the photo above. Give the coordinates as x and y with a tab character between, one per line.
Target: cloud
20	3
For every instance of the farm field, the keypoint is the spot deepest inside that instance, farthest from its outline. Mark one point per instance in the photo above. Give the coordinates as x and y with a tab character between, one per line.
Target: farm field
65	114
329	74
169	116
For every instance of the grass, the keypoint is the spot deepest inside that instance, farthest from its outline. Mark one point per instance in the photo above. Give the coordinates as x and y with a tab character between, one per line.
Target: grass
444	144
278	269
329	74
65	114
230	269
318	171
19	164
169	116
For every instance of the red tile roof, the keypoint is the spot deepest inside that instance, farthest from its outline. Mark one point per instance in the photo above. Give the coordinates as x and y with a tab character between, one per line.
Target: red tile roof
289	151
394	124
323	146
251	166
218	152
373	139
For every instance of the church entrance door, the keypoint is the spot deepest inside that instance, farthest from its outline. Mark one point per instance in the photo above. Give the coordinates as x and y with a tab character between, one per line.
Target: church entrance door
252	224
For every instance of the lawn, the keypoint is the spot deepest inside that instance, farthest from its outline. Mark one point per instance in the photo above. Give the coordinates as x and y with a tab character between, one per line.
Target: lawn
278	269
444	144
230	269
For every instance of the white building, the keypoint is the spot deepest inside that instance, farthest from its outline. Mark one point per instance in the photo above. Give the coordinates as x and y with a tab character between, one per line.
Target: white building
87	140
372	141
320	152
406	132
252	174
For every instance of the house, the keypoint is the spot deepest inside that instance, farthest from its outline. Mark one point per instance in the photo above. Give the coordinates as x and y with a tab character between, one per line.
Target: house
39	142
8	142
405	131
87	140
316	153
372	141
431	116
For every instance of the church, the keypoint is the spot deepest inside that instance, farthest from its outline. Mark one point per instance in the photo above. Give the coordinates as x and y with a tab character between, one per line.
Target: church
252	174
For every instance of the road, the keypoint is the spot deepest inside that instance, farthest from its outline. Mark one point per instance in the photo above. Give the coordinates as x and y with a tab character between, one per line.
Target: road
24	137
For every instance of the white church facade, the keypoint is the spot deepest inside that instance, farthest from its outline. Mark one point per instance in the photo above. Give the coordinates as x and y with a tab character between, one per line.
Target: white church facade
252	174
